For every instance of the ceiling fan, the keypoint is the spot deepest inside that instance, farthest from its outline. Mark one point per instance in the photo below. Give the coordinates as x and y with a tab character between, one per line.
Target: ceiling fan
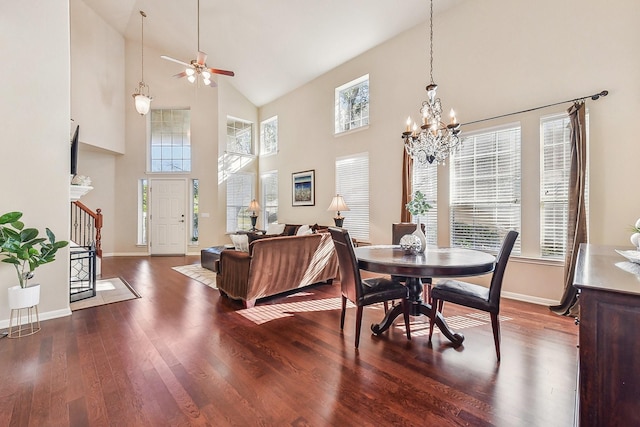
198	66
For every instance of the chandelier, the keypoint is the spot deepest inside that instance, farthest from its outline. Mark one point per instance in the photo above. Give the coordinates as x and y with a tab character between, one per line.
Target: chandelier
141	93
434	140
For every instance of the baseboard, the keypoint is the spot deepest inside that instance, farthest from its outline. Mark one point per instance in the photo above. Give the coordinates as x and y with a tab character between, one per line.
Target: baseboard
48	315
528	298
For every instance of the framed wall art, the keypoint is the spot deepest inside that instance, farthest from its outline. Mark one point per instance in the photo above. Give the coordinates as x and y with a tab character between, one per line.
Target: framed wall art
303	185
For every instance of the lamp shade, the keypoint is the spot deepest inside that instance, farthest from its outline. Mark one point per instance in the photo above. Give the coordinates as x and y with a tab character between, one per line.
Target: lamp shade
143	103
338	204
253	206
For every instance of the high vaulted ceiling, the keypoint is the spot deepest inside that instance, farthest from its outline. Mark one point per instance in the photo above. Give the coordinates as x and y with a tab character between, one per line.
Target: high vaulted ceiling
274	46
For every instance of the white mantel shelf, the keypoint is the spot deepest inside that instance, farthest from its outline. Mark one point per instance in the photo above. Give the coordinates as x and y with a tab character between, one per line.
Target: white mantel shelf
77	191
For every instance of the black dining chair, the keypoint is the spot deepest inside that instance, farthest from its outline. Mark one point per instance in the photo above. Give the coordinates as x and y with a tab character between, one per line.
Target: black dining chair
363	292
476	296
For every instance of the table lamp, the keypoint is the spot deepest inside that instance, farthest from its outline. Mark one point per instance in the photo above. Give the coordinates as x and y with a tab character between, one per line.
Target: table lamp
253	207
338	204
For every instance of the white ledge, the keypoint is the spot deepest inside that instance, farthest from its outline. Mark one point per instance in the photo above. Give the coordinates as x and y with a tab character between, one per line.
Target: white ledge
77	191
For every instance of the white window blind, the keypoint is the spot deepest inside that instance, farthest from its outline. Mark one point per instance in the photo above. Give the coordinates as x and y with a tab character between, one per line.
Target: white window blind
352	183
425	179
240	192
269	136
485	189
555	165
269	198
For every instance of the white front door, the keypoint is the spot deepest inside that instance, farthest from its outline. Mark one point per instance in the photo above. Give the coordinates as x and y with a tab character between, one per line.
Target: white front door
167	217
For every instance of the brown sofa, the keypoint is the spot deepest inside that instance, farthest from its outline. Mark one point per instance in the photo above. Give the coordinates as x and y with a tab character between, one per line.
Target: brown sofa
275	265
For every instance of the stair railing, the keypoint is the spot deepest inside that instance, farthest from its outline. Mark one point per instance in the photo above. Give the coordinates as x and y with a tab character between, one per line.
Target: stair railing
86	227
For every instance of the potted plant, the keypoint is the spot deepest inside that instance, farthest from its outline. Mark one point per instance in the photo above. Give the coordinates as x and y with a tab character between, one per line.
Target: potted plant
416	207
25	250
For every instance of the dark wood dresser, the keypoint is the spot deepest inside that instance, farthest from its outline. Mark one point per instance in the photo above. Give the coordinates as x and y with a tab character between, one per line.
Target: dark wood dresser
609	372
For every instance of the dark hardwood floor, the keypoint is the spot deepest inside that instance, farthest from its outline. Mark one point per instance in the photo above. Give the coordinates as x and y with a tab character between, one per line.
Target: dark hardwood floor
183	355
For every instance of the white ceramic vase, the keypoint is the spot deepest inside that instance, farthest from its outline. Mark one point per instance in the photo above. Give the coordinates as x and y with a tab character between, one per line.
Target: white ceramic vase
420	234
23	297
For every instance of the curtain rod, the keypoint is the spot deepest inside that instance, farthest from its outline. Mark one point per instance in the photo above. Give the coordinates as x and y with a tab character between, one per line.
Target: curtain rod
593	97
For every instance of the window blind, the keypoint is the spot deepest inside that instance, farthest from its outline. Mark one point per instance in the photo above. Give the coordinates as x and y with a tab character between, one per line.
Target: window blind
269	198
425	179
239	193
352	183
485	189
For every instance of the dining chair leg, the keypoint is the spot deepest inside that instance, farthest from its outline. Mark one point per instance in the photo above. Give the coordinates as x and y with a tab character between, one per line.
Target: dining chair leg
344	308
432	317
406	305
495	324
386	306
358	324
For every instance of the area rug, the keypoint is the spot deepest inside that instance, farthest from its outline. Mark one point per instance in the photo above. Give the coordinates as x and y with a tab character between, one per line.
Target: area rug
199	273
107	291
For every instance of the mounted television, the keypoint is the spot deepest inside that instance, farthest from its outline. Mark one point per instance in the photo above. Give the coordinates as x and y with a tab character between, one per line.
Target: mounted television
74	151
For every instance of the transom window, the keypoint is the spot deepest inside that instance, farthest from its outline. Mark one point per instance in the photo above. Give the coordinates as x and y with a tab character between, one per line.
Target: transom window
352	105
485	189
269	136
170	141
239	136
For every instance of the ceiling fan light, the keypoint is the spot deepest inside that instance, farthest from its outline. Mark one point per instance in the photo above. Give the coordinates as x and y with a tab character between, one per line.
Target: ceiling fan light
191	78
206	75
206	81
190	72
143	103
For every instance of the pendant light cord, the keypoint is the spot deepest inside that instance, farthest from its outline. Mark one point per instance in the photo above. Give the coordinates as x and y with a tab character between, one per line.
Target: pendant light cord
142	16
431	42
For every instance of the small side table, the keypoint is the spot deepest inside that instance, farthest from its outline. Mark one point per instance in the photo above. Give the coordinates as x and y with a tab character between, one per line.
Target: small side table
209	257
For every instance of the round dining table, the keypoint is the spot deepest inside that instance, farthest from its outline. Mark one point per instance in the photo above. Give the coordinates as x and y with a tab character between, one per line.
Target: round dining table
419	268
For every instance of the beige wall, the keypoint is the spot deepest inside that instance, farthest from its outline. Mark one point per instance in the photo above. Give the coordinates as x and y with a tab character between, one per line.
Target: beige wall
490	58
34	106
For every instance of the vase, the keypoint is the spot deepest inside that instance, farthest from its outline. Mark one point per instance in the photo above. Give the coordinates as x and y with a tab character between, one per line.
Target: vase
23	297
420	235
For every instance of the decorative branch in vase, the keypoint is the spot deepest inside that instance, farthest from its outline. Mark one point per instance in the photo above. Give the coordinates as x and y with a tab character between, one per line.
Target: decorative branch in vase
416	207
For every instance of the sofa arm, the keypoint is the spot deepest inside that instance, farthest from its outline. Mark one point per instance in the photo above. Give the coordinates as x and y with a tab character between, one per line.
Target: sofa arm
233	273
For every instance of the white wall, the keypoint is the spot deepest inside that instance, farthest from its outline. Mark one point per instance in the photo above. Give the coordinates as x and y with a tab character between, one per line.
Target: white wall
35	106
490	58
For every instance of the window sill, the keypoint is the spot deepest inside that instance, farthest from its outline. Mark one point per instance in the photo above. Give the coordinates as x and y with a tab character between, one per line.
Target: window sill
350	131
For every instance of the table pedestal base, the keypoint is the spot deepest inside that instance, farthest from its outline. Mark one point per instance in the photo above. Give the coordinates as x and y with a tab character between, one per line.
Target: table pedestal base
418	307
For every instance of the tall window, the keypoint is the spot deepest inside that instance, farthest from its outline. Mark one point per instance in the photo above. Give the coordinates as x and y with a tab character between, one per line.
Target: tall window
195	201
143	209
239	136
555	165
352	105
170	141
352	183
425	179
269	182
269	136
240	192
485	189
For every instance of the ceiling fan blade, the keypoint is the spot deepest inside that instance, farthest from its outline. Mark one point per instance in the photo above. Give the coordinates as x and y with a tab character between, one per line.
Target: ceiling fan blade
168	58
182	74
225	72
202	58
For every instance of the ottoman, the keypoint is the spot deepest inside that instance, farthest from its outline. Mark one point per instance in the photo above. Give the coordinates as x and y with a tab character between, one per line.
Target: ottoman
209	257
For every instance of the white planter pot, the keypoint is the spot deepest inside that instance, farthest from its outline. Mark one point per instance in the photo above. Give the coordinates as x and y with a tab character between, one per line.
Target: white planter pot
23	297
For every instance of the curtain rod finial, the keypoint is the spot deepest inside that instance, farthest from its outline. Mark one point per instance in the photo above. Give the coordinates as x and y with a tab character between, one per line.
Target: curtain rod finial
598	95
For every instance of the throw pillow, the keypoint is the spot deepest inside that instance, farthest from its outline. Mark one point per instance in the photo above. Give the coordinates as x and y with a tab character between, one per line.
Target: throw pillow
275	228
303	230
241	242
